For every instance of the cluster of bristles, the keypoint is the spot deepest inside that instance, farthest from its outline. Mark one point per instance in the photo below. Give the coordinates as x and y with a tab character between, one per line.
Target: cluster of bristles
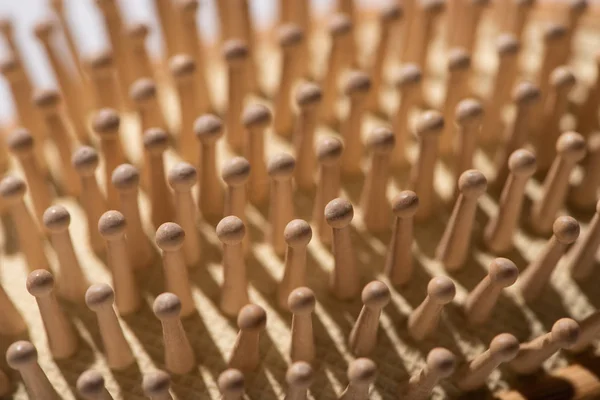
123	81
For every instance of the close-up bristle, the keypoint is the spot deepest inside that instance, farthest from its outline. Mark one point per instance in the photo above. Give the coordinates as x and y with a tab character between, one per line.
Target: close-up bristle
299	199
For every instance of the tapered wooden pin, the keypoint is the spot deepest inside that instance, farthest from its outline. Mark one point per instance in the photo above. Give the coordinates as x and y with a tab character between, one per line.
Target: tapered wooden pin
361	375
363	337
570	149
23	357
517	16
144	96
103	80
235	174
256	118
290	38
281	205
428	128
12	191
582	257
156	385
589	330
105	124
424	320
454	245
482	300
329	151
562	81
299	377
234	294
465	34
48	102
468	116
301	302
407	81
209	129
156	141
179	355
583	196
587	117
297	235
344	280
499	231
245	355
100	298
503	348
340	32
169	238
182	177
231	384
426	14
183	70
11	321
90	386
112	226
525	96
138	33
85	160
308	100
374	203
21	144
440	364
576	9
236	55
538	272
399	260
532	355
356	88
555	40
72	282
61	336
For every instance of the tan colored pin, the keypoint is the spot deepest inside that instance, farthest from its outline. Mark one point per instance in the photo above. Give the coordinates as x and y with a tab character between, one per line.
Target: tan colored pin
482	300
137	34
85	160
424	320
156	385
235	173
457	88
281	205
532	355
256	119
301	302
589	330
182	177
576	10
582	257
583	196
517	16
407	81
179	355
570	149
428	129
299	378
126	179
21	144
290	38
361	375
245	355
11	321
22	356
454	245
503	348
72	282
62	339
297	235
224	20
356	88
231	384
587	117
48	102
538	272
90	386
426	14
12	191
499	231
399	259
106	123
246	32
234	293
236	55
374	202
156	142
329	151
466	27
168	26
170	238
112	227
103	81
209	129
144	96
344	280
440	364
363	337
100	298
468	117
308	100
